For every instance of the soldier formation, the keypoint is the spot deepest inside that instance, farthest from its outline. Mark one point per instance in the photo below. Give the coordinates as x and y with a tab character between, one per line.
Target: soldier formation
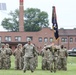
26	58
54	58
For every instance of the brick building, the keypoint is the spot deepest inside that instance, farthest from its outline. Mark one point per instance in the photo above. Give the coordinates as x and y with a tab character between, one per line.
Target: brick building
44	36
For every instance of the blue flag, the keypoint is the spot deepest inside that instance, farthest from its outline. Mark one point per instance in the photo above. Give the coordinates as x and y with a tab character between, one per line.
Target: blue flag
54	23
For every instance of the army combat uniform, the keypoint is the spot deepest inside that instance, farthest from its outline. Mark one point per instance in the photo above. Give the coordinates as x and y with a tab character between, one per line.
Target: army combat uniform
3	62
62	59
8	54
18	57
29	50
46	54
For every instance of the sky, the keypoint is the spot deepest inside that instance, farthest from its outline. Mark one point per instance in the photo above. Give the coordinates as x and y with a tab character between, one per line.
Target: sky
65	10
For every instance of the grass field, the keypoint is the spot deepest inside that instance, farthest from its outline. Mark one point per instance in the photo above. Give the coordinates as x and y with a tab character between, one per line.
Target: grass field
71	69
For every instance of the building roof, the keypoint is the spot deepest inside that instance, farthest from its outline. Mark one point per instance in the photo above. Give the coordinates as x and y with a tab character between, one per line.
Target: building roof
45	30
67	32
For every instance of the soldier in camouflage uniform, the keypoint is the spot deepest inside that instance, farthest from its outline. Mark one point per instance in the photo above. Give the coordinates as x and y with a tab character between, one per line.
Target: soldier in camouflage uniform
8	54
53	65
62	58
36	60
0	58
29	50
52	57
3	63
18	56
46	54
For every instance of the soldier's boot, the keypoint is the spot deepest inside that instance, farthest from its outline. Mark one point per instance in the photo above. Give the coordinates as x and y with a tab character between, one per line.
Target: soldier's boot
54	70
43	67
51	69
0	66
65	69
32	68
24	69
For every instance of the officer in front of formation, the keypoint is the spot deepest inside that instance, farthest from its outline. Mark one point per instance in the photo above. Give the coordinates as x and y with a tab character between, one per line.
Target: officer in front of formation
29	54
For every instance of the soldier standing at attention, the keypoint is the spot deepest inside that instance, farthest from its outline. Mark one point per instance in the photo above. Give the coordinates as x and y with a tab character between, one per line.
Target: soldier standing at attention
18	56
8	54
62	58
29	50
3	63
46	54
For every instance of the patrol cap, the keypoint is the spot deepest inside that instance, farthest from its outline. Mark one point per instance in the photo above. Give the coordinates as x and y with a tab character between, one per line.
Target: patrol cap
19	45
7	44
28	39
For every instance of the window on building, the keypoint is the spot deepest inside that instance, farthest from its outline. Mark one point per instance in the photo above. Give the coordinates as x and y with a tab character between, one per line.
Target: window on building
0	38
45	39
8	38
63	39
40	39
29	37
71	39
18	38
51	39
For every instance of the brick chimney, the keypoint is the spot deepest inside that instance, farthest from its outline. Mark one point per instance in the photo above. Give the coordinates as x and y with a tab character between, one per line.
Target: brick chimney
21	16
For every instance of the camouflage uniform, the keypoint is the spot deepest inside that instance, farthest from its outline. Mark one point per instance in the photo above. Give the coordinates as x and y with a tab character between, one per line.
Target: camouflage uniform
62	59
46	55
18	55
29	50
0	58
36	60
3	57
52	57
53	64
8	54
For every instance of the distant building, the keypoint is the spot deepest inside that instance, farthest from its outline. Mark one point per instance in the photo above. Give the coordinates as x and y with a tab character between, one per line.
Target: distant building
44	36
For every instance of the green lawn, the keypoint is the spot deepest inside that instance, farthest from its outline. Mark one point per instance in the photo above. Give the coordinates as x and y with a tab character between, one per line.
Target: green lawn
71	69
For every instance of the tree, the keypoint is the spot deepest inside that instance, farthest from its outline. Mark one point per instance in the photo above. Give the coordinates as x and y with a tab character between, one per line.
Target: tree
11	23
34	20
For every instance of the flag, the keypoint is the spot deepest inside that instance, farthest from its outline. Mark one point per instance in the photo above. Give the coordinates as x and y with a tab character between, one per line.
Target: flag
54	23
2	6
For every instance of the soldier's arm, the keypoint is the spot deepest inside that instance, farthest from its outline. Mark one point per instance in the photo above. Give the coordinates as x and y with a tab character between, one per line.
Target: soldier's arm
66	54
35	51
14	53
23	50
10	51
42	52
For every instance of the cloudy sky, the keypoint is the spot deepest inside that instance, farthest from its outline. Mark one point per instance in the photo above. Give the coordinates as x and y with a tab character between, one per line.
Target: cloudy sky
65	9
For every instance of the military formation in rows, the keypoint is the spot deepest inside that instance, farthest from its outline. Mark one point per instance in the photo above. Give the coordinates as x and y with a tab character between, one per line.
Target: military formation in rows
26	57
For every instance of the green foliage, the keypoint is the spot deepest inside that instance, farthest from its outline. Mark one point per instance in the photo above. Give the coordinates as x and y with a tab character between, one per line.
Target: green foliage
11	24
34	20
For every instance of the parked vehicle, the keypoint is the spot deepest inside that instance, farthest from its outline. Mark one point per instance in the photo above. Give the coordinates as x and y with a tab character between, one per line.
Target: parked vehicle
72	52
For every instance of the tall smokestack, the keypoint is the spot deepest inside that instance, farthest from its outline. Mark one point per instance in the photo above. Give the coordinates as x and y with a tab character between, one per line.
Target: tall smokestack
21	15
